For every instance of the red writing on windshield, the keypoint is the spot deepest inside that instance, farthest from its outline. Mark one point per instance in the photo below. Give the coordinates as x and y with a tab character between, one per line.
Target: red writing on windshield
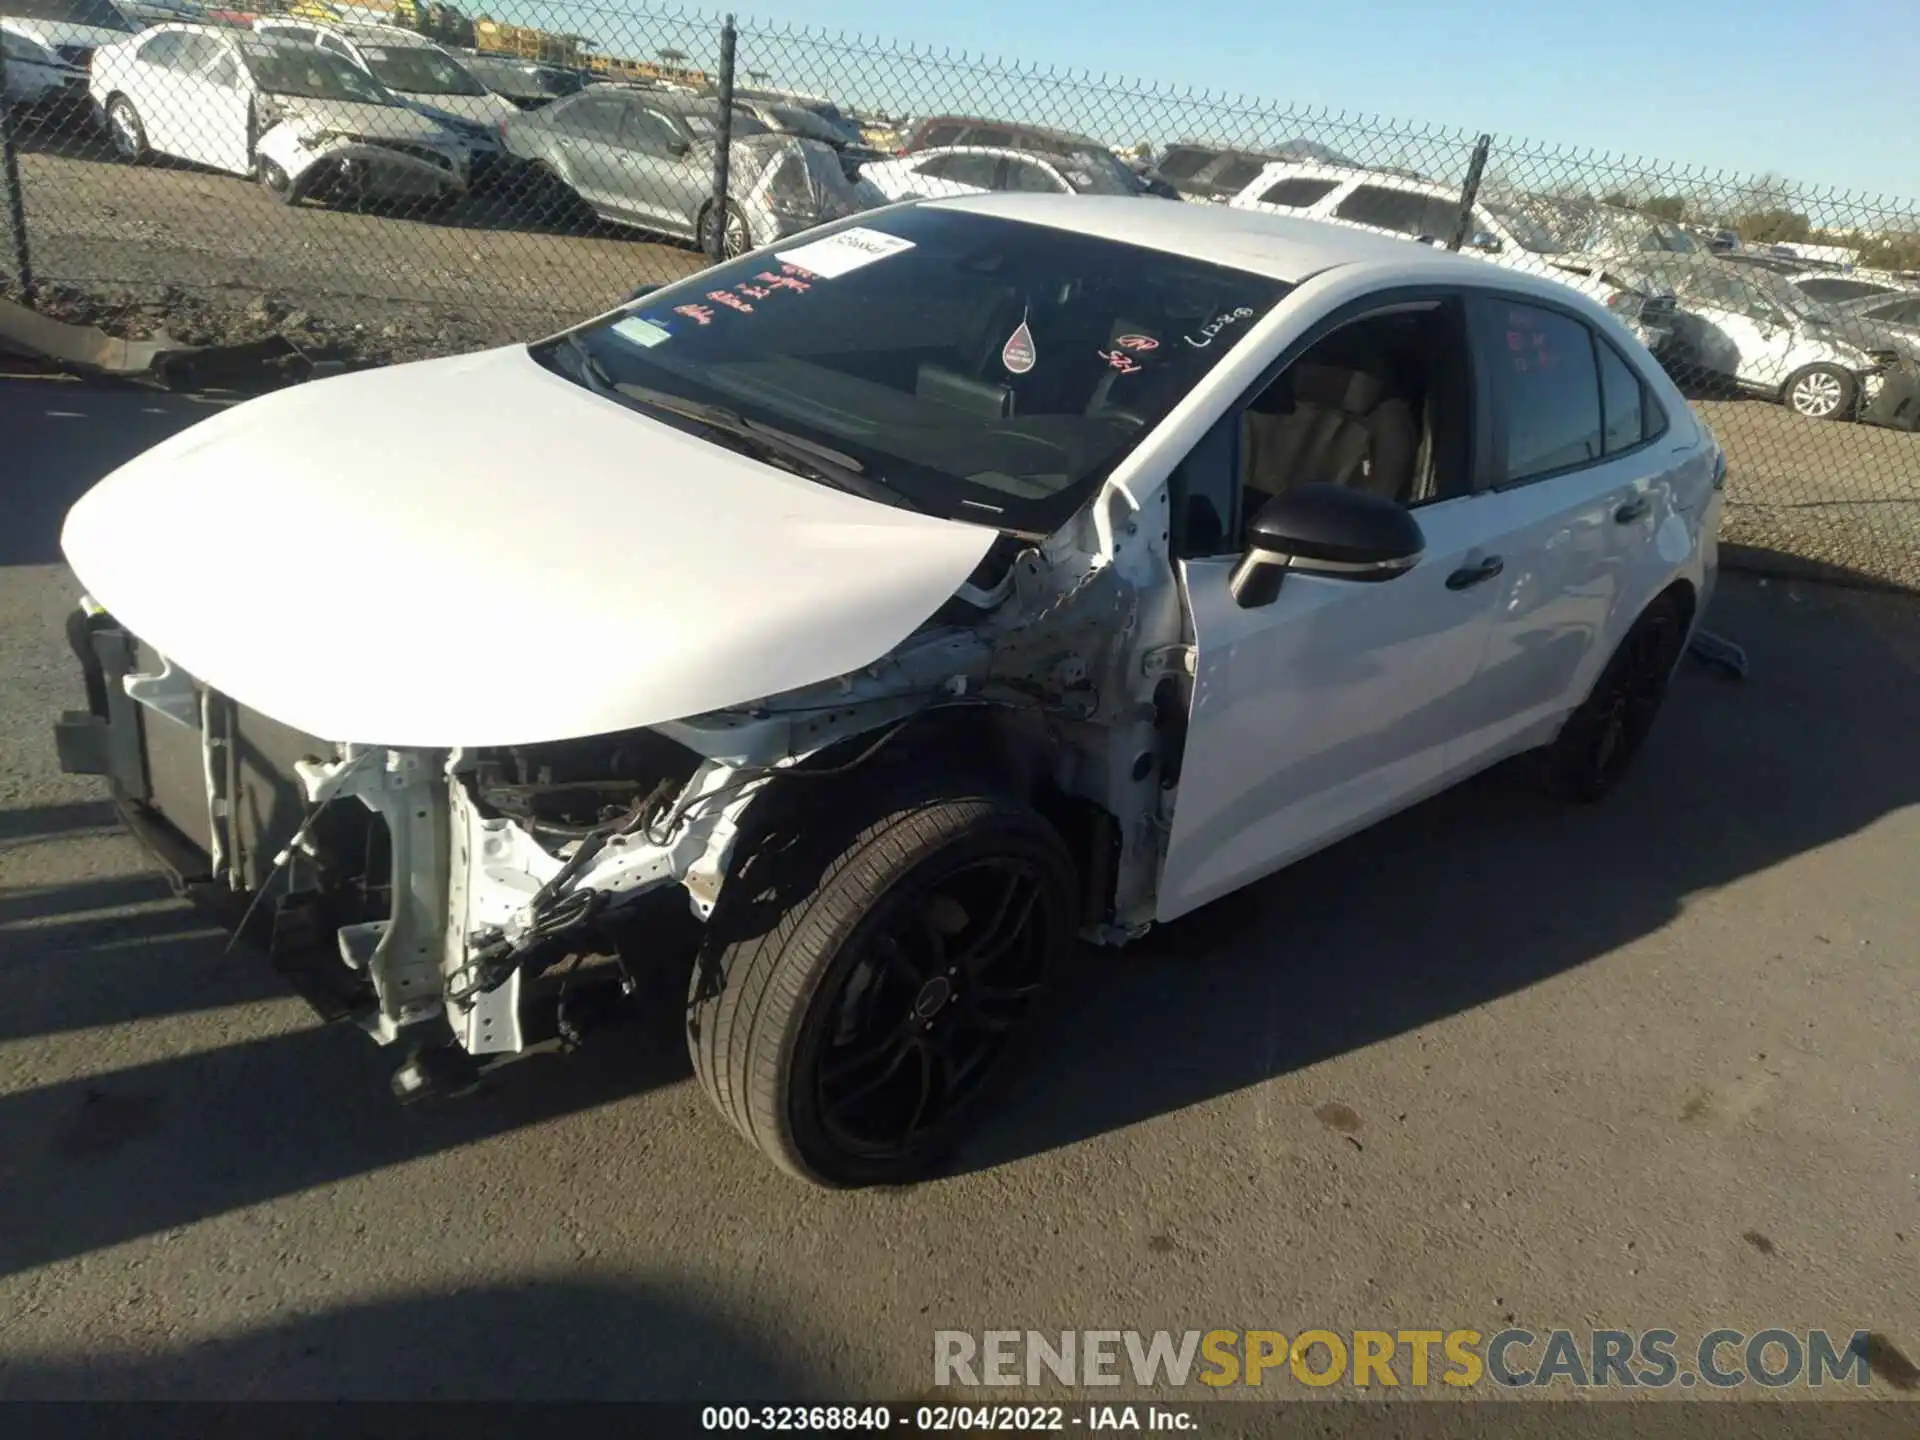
730	300
695	312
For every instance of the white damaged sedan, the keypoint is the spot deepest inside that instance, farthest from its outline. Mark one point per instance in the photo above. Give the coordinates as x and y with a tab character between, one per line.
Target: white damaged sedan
298	118
848	632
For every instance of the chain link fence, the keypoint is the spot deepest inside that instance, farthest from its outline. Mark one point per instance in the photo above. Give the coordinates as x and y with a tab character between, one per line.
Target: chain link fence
383	184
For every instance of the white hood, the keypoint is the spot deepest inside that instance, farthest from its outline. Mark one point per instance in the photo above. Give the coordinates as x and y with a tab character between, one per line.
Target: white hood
476	551
488	109
355	117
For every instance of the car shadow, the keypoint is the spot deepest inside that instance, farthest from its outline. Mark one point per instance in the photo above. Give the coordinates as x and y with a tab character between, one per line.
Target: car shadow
541	1338
1491	888
138	1150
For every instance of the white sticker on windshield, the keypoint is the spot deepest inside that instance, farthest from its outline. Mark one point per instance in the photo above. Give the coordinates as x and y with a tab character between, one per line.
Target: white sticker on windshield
839	254
642	332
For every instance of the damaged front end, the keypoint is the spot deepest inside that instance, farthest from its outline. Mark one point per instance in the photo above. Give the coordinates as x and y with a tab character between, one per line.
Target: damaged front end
476	887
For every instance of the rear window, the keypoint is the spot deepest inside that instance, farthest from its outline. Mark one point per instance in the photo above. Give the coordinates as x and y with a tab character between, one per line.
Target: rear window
977	368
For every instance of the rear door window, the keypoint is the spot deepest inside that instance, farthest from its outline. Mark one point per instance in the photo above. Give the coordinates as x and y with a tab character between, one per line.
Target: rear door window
1026	176
1404	211
980	170
1183	164
1298	193
1237	172
1625	408
941	135
1547	384
595	117
163	50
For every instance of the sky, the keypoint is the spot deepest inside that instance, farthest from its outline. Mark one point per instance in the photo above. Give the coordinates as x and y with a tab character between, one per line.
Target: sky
1826	94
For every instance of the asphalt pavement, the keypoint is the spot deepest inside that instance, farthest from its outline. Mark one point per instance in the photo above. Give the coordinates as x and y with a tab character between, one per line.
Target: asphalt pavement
1649	1063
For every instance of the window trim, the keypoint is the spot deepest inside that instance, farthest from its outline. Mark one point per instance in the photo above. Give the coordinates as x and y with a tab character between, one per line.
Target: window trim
1380	302
1480	327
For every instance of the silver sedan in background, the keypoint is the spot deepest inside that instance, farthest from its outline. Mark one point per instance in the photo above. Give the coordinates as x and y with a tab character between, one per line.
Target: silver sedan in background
646	158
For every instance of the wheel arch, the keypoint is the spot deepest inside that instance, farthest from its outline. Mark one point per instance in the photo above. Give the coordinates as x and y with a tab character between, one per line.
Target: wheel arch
1005	748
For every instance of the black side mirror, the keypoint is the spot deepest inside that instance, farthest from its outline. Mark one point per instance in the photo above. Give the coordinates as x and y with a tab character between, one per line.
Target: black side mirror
1330	530
677	147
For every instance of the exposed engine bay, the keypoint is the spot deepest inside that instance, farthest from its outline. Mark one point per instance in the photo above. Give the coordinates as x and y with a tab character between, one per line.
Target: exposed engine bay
403	886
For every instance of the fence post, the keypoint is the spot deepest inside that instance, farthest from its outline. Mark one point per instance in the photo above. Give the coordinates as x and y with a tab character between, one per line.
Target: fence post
1469	192
723	147
10	182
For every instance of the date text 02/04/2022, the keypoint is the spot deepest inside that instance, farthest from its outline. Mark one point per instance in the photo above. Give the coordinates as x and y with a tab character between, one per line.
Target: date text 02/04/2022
947	1419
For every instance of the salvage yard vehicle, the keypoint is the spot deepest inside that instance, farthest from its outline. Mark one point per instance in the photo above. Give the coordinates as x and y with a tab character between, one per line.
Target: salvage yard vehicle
67	30
300	120
1758	332
525	84
37	78
981	170
848	630
645	158
424	77
1501	232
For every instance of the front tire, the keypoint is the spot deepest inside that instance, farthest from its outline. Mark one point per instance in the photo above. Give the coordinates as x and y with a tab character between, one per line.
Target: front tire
857	1001
128	134
736	238
1599	740
274	180
1821	392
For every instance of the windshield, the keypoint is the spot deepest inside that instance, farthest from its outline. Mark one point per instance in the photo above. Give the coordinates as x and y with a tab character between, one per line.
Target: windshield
416	70
1528	229
977	368
309	72
97	14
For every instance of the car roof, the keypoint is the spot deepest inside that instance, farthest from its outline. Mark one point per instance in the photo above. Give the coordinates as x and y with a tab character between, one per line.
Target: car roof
1281	247
1012	151
1020	127
1326	170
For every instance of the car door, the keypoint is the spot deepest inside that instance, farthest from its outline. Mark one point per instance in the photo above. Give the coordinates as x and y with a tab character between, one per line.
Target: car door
1760	338
1579	493
586	142
147	80
1340	700
664	179
212	105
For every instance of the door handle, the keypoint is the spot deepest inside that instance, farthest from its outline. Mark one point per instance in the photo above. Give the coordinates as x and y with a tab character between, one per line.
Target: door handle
1632	510
1468	575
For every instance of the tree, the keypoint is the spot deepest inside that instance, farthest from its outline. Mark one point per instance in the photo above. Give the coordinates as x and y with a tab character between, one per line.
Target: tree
1772	227
671	56
1666	207
1618	197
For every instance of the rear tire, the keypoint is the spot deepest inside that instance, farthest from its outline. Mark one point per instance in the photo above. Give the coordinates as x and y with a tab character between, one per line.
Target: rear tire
128	134
1599	740
1821	392
858	999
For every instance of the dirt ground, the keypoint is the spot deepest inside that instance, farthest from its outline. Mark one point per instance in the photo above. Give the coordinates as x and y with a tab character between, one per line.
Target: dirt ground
214	258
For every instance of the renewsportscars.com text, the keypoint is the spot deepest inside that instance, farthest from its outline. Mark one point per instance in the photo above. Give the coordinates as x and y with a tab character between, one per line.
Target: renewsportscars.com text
1380	1359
